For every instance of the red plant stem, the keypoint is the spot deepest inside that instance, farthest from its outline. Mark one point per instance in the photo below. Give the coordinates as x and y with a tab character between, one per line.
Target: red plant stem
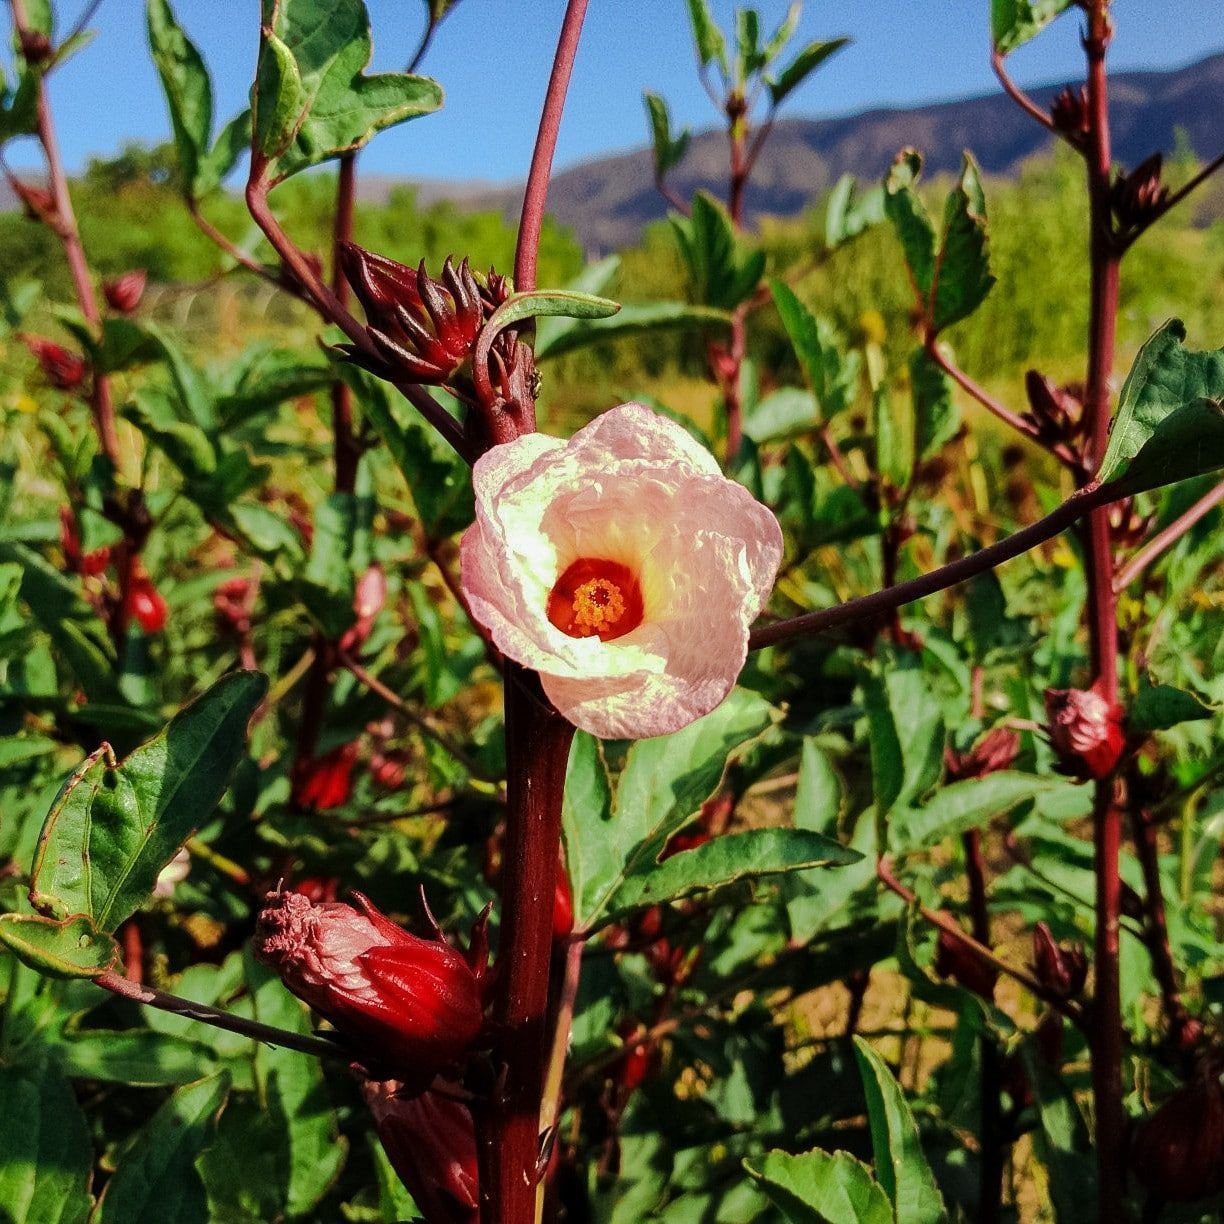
535	195
1157	926
133	950
1176	197
879	602
347	451
1166	538
1017	95
316	1046
537	752
734	395
990	1135
1106	1037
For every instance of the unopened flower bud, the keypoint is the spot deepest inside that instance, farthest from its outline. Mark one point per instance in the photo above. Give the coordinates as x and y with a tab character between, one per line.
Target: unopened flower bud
563	905
1137	198
430	1140
37	203
994	751
326	782
411	1004
62	369
1057	412
388	771
231	603
423	328
1060	969
369	595
1069	112
1085	730
956	960
635	1067
123	293
35	46
1178	1151
96	563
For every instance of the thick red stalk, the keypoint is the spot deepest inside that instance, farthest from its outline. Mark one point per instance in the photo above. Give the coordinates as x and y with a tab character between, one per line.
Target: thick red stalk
535	194
1106	1038
537	752
347	450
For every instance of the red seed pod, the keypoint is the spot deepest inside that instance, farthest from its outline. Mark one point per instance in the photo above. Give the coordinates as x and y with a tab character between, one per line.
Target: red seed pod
231	603
1137	198
96	563
1057	412
430	1140
563	906
1178	1151
370	594
37	203
1069	112
70	537
318	888
422	328
413	1005
123	293
145	604
62	369
956	960
1062	970
994	751
1085	731
635	1068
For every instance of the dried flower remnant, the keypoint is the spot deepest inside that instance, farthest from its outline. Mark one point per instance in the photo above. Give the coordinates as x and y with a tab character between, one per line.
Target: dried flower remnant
411	1004
622	566
430	1140
1085	730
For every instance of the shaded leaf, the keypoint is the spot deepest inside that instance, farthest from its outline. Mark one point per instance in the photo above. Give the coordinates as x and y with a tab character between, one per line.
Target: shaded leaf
1157	707
962	270
68	949
936	416
832	376
668	149
722	272
817	1186
910	219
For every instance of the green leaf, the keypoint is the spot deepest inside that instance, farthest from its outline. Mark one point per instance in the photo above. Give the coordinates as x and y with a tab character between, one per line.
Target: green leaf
801	67
1014	22
68	949
1157	707
113	828
848	214
887	761
747	42
707	35
295	1089
960	806
1189	442
668	150
47	1158
818	793
911	221
783	34
137	1057
821	1188
962	269
901	1167
233	141
1062	1140
894	441
188	90
782	414
724	860
936	416
543	302
634	318
832	377
329	569
663	784
156	1178
185	444
722	272
312	99
1166	377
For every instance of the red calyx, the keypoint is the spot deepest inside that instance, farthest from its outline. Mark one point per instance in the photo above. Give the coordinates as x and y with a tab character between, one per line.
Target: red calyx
145	604
563	906
1178	1151
1085	730
1061	969
955	960
325	782
995	750
62	369
123	293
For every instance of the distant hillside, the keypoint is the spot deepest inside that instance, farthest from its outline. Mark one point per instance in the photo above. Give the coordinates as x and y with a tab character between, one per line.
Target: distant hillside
607	201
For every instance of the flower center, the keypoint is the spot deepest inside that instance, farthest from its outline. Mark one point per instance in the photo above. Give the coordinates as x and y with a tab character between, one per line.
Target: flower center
596	598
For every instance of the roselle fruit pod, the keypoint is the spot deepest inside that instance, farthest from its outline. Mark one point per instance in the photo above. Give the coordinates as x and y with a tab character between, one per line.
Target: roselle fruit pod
955	960
1061	970
408	1004
430	1140
1069	111
61	368
1137	198
37	203
423	329
326	782
1085	730
146	605
123	293
1177	1153
995	750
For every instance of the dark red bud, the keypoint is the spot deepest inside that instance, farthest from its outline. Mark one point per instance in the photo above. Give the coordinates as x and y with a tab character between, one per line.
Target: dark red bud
388	772
956	960
1178	1151
231	603
412	1005
61	368
35	46
1058	412
146	605
123	293
995	750
1085	731
325	782
635	1067
1062	970
37	203
430	1140
1069	112
70	537
96	563
1138	197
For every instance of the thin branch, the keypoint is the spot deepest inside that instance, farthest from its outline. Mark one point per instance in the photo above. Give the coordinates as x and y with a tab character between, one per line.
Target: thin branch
82	21
562	1027
1176	197
527	249
949	925
994	406
1080	503
243	258
1017	95
316	1046
377	687
1164	539
668	192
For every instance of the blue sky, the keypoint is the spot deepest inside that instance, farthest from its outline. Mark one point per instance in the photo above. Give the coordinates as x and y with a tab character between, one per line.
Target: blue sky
493	56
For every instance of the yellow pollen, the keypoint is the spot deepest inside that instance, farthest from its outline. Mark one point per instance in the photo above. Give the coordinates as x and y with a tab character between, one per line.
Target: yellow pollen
598	605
